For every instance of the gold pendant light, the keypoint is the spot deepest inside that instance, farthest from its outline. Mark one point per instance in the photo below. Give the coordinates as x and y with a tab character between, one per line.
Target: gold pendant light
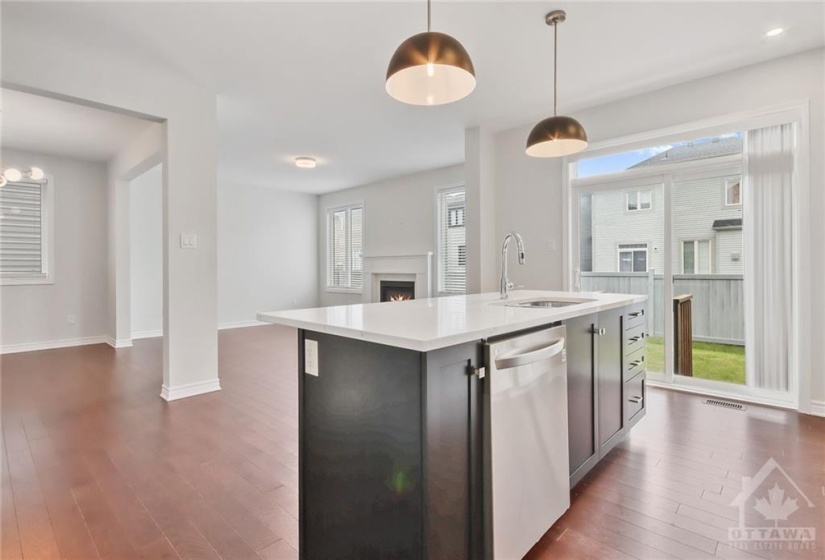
556	136
430	68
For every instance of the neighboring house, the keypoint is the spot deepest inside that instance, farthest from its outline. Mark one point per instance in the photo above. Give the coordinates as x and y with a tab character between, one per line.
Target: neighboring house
623	230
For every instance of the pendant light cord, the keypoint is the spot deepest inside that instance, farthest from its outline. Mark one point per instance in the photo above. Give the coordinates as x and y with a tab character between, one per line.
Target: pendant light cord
428	16
555	67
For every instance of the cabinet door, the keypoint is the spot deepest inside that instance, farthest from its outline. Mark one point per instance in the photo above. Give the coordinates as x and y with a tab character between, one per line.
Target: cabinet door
609	375
581	396
452	469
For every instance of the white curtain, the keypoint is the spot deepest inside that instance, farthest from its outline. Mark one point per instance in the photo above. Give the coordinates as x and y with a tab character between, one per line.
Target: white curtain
767	200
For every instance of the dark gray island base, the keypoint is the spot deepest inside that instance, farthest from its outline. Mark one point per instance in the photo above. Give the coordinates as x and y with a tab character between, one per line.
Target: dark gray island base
392	440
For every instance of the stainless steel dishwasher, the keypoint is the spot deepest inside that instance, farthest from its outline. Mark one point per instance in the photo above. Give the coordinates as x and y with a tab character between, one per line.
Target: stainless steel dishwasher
527	484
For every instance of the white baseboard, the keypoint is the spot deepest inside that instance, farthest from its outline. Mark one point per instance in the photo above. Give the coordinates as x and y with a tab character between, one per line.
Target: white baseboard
147	334
119	343
189	390
241	324
52	344
818	408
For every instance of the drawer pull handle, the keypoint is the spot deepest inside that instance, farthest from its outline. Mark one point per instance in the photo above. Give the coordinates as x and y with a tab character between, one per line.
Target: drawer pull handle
636	400
637	362
638	313
636	339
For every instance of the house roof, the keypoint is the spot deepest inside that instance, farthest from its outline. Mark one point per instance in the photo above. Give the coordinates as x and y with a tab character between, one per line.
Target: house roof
692	151
732	223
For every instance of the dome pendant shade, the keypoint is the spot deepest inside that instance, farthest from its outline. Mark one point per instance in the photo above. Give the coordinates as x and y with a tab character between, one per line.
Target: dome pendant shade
430	68
556	137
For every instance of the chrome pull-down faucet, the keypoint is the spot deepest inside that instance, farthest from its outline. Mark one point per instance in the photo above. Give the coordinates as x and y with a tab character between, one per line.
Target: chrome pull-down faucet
506	285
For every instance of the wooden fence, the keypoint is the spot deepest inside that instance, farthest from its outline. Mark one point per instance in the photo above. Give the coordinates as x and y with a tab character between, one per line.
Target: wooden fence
718	306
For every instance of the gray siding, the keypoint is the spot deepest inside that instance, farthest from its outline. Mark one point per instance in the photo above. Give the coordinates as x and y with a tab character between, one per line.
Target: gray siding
697	204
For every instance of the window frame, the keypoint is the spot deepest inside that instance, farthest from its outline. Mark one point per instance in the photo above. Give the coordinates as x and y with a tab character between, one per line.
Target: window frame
728	183
637	195
47	250
330	212
695	242
632	250
439	191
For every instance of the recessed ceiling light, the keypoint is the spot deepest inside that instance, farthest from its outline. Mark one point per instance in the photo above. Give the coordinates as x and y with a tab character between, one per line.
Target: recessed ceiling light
775	32
36	173
305	162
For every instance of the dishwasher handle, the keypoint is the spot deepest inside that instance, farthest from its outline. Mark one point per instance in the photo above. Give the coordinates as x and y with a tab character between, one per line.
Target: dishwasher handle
511	360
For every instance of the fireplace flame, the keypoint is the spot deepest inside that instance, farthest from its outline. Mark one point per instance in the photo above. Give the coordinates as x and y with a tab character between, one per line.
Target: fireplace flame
399	297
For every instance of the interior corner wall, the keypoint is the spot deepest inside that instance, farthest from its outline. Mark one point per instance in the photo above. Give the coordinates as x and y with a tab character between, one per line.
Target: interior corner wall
783	80
146	254
37	316
399	219
480	169
75	68
267	252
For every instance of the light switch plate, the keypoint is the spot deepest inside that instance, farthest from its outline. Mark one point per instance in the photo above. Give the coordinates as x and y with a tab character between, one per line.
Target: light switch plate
188	241
311	357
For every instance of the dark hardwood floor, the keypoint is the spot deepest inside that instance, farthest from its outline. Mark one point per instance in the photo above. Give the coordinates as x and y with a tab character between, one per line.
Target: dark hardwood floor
96	465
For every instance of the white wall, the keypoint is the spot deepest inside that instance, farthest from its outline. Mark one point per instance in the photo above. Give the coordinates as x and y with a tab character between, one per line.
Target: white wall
399	219
267	252
66	65
146	253
37	314
521	179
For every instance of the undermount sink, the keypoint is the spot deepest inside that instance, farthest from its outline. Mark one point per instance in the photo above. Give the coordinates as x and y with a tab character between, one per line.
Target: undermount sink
545	303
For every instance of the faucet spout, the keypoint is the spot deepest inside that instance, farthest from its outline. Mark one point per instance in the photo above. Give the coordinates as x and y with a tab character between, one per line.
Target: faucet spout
505	284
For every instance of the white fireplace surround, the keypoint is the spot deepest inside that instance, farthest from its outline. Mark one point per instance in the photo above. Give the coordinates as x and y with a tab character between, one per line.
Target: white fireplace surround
399	268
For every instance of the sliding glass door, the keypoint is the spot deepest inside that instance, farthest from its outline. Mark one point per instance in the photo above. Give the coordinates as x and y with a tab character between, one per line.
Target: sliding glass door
621	247
705	230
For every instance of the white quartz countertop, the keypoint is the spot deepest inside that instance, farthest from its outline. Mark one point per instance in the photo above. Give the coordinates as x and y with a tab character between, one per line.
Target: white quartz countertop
428	324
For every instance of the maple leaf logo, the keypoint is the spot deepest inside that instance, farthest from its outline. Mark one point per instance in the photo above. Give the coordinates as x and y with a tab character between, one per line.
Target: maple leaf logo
777	506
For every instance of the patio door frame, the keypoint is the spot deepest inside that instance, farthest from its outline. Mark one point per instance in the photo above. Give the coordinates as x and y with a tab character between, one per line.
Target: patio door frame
798	395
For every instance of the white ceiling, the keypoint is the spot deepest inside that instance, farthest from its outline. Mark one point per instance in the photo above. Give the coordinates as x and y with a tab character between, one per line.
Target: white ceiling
50	126
307	78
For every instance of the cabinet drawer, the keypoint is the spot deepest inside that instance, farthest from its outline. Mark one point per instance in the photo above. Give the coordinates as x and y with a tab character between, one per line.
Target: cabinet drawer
634	397
635	364
635	317
634	339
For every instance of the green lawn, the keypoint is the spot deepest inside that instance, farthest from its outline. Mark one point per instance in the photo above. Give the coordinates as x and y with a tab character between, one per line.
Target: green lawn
720	362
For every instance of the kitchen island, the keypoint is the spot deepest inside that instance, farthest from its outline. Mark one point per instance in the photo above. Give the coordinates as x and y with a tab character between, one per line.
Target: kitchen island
396	425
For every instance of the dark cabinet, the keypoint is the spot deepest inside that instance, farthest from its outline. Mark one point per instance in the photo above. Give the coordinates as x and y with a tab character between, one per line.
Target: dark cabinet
389	450
581	396
606	361
609	375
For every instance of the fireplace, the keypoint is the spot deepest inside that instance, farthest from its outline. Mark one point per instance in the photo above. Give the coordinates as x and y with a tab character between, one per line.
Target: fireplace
396	290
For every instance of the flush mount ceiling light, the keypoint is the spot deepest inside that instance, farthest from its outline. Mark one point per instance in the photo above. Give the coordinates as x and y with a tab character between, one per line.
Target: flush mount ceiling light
776	31
556	136
12	174
430	68
305	162
36	173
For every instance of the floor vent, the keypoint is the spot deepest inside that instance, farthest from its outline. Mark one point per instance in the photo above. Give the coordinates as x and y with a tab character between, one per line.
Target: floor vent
725	404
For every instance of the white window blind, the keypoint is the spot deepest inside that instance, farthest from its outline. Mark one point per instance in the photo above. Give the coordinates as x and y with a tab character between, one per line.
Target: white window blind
346	235
21	231
452	245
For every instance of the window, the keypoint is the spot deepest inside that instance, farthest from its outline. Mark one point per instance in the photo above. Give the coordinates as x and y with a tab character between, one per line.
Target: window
733	192
664	154
452	246
696	257
345	258
25	233
456	217
633	257
639	200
